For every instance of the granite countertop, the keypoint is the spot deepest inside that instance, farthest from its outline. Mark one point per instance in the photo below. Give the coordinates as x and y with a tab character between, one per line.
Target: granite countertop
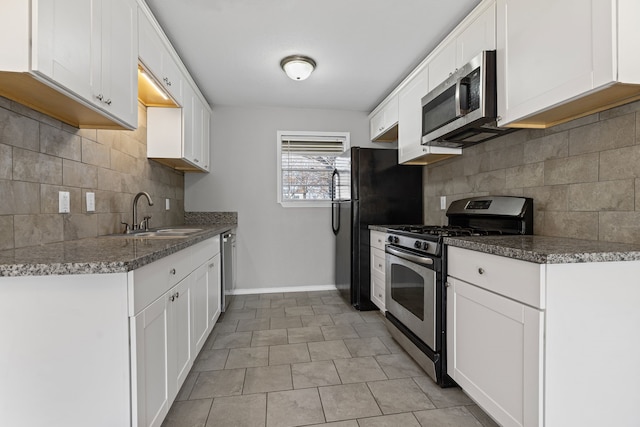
99	255
548	250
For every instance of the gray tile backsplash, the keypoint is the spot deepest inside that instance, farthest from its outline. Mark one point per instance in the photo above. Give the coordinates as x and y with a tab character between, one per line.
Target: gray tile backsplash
584	176
40	156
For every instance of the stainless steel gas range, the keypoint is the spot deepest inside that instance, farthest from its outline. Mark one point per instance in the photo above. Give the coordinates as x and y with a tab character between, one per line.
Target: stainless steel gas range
416	271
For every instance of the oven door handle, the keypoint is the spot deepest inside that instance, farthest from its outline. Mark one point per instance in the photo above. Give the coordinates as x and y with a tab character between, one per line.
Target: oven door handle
409	257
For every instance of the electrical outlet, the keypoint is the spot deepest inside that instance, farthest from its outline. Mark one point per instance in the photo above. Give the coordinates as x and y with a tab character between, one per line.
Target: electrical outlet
64	202
91	202
443	202
167	205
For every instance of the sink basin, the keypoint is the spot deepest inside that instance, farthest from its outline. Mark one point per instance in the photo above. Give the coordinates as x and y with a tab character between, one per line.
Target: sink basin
179	230
164	233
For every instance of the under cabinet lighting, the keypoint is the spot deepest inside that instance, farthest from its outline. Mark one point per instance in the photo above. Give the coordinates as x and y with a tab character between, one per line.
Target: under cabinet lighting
152	83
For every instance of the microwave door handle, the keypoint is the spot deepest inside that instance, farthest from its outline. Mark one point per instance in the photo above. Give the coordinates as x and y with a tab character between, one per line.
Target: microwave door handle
460	97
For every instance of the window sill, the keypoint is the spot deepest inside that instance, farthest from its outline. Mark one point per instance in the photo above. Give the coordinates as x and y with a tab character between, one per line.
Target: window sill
307	204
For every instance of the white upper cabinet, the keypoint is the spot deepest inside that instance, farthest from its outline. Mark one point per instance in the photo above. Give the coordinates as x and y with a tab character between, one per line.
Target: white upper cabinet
456	51
180	137
478	36
119	59
75	62
383	125
410	116
562	60
157	59
477	32
442	65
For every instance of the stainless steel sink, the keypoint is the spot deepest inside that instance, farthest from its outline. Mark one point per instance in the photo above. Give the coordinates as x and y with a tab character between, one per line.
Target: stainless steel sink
163	233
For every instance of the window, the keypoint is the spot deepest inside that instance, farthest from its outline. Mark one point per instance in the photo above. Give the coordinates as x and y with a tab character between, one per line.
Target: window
306	161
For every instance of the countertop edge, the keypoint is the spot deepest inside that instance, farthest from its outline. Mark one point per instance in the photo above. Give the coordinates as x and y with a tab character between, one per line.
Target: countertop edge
552	254
126	264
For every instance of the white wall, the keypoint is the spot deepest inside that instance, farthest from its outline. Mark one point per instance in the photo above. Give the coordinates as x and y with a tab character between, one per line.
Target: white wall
277	247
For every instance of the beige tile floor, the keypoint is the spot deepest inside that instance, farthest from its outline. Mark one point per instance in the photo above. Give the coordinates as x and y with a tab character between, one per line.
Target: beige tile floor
307	359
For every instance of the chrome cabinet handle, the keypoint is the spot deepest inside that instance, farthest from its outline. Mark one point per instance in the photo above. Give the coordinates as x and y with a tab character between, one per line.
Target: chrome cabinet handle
172	271
100	97
480	270
177	294
172	298
108	102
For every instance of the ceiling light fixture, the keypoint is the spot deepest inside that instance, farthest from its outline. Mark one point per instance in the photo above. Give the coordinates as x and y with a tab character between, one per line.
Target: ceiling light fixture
298	67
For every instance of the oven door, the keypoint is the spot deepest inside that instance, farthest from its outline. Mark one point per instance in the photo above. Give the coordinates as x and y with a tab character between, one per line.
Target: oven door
411	292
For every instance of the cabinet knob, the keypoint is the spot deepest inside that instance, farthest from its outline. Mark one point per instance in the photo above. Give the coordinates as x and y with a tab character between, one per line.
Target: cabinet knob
196	160
379	265
447	284
172	298
211	265
480	270
172	271
108	102
177	294
100	97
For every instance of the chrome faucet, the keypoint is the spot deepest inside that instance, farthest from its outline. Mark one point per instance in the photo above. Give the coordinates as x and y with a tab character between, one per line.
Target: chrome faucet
145	222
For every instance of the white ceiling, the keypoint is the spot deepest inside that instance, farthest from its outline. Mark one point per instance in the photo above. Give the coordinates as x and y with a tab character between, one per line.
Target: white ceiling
363	48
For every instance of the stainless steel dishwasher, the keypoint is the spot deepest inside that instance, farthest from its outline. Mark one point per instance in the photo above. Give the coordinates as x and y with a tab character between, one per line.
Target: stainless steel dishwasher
228	247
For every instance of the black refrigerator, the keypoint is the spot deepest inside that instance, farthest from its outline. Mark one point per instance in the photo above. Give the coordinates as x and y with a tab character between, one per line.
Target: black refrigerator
368	187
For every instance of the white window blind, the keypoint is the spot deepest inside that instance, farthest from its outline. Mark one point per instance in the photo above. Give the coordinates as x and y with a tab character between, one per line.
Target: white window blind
306	163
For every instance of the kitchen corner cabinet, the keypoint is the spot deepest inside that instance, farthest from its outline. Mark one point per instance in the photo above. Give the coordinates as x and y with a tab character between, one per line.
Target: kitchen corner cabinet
526	341
378	267
561	60
76	61
383	125
111	348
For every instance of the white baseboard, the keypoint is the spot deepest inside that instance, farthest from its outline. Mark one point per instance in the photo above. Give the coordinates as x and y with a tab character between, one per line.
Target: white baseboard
312	288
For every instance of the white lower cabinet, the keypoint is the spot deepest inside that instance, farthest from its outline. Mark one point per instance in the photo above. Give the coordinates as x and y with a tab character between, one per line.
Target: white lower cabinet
378	239
150	333
533	344
168	333
495	348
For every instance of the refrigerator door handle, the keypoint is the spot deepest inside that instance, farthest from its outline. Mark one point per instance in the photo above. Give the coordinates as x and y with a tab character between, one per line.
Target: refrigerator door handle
335	217
333	183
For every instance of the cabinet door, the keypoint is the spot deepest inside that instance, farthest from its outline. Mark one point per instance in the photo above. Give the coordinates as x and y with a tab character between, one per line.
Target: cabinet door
198	131
206	140
180	347
548	52
478	36
495	352
410	117
150	47
188	117
214	289
199	302
119	60
66	43
442	65
150	330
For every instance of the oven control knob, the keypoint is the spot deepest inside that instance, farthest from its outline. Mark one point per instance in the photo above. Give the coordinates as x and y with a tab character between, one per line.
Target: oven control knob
395	239
425	246
390	239
417	244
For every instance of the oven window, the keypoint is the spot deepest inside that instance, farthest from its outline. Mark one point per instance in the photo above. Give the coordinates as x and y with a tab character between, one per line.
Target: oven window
407	289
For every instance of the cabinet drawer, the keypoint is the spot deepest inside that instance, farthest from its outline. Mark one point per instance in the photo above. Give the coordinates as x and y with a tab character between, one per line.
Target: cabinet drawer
378	239
378	261
153	280
519	280
205	250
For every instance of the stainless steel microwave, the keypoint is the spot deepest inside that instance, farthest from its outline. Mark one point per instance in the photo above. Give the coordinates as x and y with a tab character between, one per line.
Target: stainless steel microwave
462	110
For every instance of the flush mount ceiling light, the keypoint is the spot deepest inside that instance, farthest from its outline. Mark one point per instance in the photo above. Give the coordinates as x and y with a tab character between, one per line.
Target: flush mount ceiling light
298	67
